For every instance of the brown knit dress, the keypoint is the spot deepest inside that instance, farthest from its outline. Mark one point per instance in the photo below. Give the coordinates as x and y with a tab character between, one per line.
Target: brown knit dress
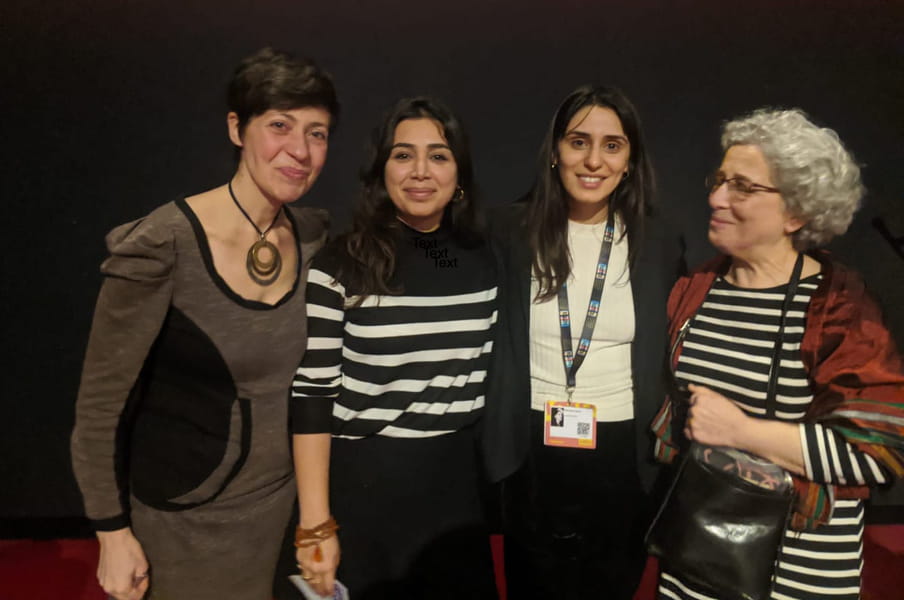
181	420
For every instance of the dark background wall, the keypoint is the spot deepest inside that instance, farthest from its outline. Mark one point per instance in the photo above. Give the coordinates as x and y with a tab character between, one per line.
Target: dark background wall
112	107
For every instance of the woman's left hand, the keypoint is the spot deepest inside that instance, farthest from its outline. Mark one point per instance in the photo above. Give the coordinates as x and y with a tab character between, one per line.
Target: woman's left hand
320	574
713	419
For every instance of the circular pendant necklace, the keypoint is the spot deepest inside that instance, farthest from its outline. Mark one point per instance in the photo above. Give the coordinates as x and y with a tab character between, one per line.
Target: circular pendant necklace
263	261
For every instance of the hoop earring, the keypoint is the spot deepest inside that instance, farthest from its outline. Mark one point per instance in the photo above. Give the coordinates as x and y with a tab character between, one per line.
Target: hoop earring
459	195
554	164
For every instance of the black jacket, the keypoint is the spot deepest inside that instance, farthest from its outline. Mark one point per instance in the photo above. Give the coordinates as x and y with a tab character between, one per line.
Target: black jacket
505	427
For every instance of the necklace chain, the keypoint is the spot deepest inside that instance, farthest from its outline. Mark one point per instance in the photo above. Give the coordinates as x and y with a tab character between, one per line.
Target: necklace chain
263	233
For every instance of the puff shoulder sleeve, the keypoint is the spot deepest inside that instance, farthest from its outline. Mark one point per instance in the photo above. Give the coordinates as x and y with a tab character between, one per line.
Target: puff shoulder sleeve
131	307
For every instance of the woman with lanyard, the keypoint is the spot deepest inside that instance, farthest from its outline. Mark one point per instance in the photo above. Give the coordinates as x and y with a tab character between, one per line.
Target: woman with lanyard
585	254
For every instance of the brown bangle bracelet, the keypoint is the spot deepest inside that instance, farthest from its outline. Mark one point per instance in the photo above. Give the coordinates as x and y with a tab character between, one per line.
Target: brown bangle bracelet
313	536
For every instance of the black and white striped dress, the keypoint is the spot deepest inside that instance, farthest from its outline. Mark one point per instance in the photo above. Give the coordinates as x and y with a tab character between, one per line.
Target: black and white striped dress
728	348
404	376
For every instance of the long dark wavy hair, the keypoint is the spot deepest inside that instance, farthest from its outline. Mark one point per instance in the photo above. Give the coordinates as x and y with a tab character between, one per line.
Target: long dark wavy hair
368	258
547	213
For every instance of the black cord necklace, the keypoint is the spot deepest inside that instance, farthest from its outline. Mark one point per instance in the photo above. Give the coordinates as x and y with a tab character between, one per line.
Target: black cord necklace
263	272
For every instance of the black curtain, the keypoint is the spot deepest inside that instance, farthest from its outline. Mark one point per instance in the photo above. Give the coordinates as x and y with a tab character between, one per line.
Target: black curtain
113	107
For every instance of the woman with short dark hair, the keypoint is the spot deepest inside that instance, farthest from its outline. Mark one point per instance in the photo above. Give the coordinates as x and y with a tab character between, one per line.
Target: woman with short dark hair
179	445
401	311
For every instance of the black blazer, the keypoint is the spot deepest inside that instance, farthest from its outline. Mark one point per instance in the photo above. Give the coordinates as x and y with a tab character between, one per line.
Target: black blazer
505	426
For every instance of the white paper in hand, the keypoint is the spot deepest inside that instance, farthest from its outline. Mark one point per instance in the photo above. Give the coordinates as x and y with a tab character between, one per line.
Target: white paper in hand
340	592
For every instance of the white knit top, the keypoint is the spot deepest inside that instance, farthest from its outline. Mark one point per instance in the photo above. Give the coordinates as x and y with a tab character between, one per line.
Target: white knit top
605	378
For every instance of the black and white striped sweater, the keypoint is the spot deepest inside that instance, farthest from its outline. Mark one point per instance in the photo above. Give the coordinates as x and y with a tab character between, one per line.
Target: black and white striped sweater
412	365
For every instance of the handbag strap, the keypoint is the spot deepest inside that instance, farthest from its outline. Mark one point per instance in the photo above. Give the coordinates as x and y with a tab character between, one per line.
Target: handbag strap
777	349
678	392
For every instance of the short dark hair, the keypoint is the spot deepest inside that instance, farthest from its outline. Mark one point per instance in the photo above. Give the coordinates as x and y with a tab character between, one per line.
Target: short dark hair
368	250
547	215
273	79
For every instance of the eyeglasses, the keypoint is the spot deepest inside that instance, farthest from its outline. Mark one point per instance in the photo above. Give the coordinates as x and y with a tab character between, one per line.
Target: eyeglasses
737	186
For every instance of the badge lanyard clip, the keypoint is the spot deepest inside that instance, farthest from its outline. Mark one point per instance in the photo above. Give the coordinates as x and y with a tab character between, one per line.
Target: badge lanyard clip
570	391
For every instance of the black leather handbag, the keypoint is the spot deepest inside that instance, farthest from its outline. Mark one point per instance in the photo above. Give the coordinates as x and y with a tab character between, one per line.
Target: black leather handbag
721	525
722	522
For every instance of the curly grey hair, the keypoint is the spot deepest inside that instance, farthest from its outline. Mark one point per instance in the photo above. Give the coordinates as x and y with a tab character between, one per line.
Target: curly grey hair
818	179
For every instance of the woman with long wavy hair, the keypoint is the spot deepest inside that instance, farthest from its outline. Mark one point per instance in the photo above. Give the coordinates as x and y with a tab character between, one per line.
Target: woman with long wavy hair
400	311
589	263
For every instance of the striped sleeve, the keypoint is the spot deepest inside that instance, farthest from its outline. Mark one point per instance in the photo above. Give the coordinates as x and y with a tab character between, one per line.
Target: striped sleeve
318	379
829	458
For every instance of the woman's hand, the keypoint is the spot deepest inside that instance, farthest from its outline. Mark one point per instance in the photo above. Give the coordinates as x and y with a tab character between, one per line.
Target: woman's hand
122	570
320	574
713	419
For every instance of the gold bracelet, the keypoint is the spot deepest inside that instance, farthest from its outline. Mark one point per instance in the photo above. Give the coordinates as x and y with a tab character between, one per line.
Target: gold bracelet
305	538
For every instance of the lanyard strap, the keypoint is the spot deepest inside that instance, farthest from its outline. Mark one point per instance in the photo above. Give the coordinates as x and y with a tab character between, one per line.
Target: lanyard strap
572	361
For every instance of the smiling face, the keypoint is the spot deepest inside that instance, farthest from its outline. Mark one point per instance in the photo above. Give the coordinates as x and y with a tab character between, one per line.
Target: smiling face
592	159
420	175
747	225
283	151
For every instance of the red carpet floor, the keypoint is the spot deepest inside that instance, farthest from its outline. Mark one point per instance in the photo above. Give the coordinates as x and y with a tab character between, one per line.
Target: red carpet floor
64	569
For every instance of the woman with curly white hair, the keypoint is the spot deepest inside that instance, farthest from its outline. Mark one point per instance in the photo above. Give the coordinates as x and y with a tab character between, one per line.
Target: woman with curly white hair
833	415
